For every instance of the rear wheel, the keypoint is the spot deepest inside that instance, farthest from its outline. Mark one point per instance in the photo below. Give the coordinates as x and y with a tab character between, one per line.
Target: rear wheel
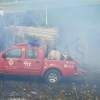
52	77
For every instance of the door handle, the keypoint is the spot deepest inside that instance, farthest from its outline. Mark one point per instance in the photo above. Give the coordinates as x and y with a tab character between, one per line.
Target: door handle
19	61
37	62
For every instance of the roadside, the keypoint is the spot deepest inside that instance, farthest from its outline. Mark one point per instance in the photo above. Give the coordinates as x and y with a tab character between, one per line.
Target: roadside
15	85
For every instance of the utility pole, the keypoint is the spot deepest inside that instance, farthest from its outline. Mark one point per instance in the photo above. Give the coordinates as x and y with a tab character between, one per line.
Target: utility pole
16	0
46	18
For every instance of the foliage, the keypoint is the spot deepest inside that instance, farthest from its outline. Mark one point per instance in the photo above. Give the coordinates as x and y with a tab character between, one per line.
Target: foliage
8	19
7	0
25	38
31	37
31	92
4	35
8	37
28	18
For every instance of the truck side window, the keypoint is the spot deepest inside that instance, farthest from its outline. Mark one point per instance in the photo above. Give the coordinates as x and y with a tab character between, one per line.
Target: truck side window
32	53
13	53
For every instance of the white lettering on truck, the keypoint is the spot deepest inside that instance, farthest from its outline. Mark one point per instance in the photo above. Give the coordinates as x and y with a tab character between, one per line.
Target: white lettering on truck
27	63
68	66
11	62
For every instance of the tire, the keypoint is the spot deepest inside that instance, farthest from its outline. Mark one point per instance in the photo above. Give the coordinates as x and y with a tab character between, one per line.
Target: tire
52	77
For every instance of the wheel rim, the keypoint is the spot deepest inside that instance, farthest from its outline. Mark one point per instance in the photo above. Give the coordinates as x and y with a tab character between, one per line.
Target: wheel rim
52	77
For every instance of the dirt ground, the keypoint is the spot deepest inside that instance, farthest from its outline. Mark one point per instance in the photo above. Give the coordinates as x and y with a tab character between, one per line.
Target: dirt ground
14	85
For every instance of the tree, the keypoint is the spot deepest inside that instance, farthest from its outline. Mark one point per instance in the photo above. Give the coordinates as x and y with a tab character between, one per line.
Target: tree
30	18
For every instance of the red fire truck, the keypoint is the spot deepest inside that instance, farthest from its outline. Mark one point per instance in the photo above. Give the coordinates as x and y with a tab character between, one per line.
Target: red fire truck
24	59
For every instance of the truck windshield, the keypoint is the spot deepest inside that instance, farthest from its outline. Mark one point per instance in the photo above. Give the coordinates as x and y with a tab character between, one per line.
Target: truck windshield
13	53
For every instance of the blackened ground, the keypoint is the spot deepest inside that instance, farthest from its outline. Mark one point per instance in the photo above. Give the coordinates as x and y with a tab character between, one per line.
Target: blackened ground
14	85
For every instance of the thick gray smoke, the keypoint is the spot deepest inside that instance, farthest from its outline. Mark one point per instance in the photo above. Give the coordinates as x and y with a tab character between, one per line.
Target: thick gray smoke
78	22
79	26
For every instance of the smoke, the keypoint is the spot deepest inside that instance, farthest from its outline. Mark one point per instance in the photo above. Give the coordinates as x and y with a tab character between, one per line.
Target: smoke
78	30
77	21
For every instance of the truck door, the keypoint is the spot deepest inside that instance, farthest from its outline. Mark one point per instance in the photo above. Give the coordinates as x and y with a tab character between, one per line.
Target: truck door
12	62
32	62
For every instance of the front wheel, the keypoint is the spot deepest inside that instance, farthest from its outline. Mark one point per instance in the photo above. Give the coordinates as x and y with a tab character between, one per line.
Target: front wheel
52	77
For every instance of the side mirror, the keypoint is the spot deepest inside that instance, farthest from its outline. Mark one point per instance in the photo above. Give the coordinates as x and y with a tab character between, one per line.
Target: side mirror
4	55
